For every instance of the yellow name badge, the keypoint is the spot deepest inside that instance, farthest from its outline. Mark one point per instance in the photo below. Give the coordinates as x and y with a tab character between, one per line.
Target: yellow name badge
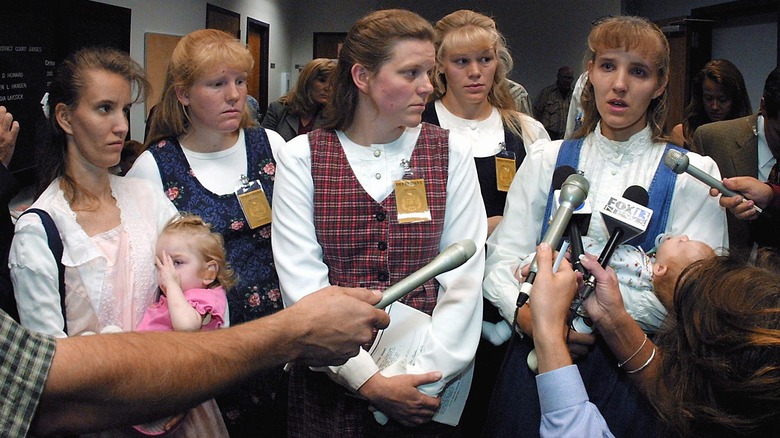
505	173
254	204
411	201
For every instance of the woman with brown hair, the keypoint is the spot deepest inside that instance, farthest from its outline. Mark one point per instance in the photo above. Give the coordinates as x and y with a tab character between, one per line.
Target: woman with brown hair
717	93
620	144
713	370
300	110
367	200
108	224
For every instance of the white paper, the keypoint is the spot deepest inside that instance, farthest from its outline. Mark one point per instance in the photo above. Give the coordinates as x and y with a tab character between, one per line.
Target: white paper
401	343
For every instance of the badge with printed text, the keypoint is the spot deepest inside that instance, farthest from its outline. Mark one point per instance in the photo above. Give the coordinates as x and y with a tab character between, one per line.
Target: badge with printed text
505	173
506	166
411	201
254	204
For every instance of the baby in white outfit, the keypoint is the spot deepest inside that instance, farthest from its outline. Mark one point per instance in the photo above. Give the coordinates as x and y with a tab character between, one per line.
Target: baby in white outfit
646	280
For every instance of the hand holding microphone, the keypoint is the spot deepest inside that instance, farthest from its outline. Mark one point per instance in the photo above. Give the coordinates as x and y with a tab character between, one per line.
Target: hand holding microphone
679	163
452	257
573	193
626	217
758	192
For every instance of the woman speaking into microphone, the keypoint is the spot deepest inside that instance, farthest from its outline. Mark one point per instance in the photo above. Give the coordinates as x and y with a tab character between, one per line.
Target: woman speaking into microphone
621	143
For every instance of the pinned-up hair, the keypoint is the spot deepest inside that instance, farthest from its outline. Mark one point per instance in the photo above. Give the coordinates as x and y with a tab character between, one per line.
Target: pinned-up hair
465	28
628	33
194	55
370	43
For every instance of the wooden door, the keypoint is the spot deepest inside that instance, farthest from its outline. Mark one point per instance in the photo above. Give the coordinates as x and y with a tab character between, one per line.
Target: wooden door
257	42
690	46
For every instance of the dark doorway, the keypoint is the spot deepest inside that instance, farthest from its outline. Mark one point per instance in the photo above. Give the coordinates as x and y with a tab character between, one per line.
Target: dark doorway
223	19
327	44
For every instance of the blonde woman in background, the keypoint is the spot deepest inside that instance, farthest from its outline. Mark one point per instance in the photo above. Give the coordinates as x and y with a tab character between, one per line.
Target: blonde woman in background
300	110
472	99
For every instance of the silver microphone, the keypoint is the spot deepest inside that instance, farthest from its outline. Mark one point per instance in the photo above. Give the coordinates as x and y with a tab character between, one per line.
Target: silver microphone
679	163
452	257
573	193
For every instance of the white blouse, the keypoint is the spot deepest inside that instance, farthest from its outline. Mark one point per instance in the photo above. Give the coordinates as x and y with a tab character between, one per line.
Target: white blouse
456	321
609	167
144	210
484	136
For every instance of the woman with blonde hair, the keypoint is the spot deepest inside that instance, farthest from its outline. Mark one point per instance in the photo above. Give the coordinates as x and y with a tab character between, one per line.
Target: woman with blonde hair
300	110
207	156
471	98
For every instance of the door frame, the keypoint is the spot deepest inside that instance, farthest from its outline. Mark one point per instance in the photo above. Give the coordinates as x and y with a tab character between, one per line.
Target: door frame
254	26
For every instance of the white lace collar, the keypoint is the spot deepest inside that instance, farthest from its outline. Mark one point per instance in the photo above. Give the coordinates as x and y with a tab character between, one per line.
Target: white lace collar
636	145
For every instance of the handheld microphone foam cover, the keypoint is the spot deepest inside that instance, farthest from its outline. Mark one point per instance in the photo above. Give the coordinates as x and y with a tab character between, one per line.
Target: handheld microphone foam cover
574	190
637	194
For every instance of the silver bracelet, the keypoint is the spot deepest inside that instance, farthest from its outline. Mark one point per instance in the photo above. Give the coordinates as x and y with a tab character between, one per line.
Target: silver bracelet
650	359
620	365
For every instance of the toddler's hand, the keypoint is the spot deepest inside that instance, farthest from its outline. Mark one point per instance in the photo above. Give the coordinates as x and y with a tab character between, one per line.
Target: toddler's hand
166	273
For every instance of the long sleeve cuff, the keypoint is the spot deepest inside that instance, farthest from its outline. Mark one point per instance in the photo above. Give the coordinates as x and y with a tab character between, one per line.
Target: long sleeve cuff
560	389
355	372
774	203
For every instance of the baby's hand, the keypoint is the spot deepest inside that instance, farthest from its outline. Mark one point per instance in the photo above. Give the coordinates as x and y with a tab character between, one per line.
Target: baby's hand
166	273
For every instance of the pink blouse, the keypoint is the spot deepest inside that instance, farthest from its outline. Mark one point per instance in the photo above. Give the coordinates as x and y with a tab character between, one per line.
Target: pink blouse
206	301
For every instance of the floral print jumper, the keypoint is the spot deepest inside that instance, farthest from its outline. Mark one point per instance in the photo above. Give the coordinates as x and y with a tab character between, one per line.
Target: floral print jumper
249	254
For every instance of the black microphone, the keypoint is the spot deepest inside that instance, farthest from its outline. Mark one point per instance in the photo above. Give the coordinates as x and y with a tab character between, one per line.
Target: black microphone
573	193
626	217
679	163
449	259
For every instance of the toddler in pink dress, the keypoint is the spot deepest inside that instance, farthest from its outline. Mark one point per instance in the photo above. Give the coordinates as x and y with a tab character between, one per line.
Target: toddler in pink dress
193	275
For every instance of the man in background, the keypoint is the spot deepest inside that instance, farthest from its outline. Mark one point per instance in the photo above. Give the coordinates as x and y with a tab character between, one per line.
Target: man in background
552	104
748	147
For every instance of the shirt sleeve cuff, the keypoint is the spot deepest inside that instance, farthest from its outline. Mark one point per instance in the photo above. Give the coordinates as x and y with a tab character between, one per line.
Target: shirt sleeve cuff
560	389
774	203
355	372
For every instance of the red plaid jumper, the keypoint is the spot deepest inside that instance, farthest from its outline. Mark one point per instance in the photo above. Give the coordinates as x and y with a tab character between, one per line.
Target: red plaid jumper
365	246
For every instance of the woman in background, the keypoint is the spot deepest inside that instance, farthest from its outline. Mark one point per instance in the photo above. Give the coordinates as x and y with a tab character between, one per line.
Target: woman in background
206	154
472	100
300	110
717	93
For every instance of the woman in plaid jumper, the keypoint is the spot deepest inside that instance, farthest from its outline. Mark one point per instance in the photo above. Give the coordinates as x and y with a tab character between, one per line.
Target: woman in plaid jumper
337	220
